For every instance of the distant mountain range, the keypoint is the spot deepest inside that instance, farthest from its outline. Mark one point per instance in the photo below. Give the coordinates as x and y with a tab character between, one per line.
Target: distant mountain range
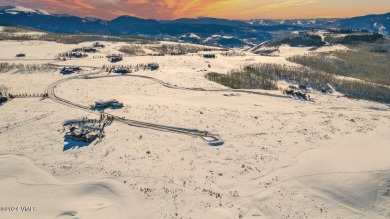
374	23
210	31
294	22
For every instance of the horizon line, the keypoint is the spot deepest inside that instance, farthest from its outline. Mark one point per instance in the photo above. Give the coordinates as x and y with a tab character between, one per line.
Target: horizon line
197	17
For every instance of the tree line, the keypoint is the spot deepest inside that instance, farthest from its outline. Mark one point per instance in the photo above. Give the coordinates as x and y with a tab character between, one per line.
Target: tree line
266	76
73	38
5	67
359	64
354	38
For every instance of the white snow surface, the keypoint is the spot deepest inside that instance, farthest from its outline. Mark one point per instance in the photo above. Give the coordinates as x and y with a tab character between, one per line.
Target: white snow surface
281	158
20	9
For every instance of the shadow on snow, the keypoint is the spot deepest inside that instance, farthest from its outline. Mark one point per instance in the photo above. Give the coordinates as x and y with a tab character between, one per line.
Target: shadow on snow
216	144
70	144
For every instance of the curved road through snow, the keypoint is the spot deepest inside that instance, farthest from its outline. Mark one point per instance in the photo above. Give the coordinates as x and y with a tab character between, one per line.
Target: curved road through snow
50	91
211	139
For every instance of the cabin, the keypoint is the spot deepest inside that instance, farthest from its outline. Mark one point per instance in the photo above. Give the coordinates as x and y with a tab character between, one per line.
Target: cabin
209	56
177	53
90	50
115	58
69	70
85	49
153	66
21	55
98	45
298	92
109	103
77	55
77	134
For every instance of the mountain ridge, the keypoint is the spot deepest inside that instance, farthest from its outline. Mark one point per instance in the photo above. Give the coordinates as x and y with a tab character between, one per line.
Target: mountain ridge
241	33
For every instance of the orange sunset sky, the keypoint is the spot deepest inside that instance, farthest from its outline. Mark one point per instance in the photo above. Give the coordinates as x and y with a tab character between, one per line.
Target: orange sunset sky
231	9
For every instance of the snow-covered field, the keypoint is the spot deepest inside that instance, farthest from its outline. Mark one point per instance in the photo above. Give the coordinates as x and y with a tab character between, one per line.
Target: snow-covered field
281	158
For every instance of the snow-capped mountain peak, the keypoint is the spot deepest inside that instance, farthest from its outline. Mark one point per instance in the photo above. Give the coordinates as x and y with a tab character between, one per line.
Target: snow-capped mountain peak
18	10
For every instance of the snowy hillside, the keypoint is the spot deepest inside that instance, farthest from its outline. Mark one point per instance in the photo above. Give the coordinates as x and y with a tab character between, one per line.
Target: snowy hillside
18	9
181	146
242	33
292	22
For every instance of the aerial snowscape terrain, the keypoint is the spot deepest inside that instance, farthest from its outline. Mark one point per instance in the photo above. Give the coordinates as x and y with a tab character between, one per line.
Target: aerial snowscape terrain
204	30
278	157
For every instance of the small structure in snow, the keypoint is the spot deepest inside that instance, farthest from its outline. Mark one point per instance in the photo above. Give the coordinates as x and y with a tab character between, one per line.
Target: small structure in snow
115	58
70	70
21	55
77	134
153	66
90	49
98	45
122	70
109	103
85	49
77	55
209	56
297	92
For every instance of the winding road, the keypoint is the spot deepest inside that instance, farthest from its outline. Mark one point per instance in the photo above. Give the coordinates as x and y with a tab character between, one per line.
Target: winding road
213	140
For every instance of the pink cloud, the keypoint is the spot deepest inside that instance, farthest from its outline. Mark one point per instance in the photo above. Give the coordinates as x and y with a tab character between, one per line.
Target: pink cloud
171	9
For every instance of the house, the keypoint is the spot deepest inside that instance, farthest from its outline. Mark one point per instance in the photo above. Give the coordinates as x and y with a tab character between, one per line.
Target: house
21	55
115	58
109	103
89	49
98	45
77	55
77	134
298	92
153	66
69	70
209	56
